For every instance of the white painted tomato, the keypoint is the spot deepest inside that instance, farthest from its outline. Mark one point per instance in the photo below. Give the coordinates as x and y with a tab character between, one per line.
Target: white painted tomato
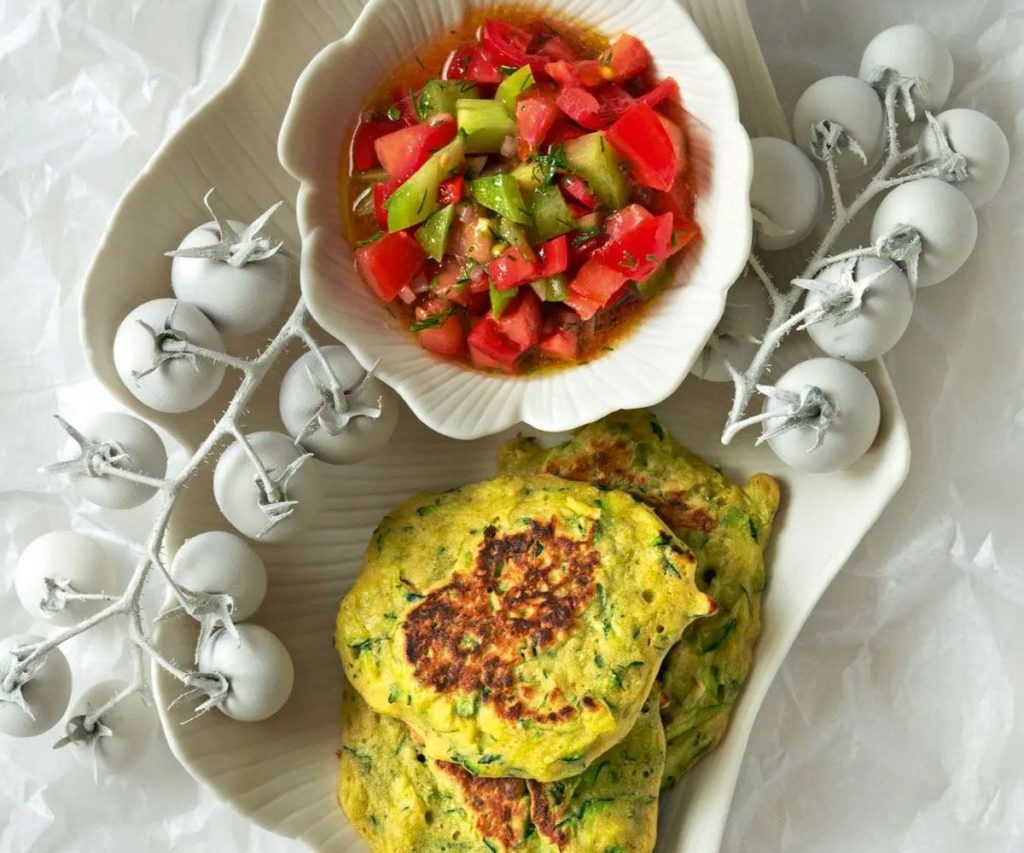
167	384
238	300
943	217
65	559
46	695
334	440
885	314
853	429
786	188
911	51
736	337
220	562
130	723
855	105
982	142
145	454
258	668
241	497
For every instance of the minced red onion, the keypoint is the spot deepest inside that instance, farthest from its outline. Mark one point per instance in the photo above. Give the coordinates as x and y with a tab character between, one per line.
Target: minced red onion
509	147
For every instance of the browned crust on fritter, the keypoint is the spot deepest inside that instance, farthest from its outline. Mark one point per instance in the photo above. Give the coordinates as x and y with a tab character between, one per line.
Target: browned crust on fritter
608	462
546	814
523	595
500	805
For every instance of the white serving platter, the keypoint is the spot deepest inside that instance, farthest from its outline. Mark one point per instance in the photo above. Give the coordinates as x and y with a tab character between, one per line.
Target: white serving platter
281	773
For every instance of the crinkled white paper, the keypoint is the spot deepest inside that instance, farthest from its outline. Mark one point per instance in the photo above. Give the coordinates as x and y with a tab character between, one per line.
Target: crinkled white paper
896	723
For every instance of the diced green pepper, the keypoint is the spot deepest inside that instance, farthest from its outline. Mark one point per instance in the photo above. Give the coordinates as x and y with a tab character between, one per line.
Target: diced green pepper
551	215
416	199
592	157
500	193
512	86
440	96
433	234
500	300
484	124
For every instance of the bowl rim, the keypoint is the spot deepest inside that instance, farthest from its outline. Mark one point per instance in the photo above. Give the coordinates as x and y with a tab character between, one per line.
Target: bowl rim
313	236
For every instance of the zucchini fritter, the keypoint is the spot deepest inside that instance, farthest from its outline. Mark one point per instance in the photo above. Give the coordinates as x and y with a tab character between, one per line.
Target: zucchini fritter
517	625
399	800
726	526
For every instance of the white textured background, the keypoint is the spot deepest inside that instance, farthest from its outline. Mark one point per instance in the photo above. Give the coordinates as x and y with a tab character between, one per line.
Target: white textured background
896	723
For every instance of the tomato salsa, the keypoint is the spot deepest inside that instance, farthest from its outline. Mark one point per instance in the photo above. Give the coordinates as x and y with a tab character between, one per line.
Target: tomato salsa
519	191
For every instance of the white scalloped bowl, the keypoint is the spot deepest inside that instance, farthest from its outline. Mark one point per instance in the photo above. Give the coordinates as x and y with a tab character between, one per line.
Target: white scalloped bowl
454	399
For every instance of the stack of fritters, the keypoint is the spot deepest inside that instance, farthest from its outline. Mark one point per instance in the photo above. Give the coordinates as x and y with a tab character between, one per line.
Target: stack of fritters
503	640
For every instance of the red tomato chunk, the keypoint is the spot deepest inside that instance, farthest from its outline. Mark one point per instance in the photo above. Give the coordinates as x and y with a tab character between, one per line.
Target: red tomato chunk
639	136
402	152
389	264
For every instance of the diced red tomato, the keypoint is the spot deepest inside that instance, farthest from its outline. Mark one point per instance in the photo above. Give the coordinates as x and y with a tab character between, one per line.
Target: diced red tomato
582	304
557	48
364	156
667	89
679	202
504	44
535	113
625	220
407	107
402	152
450	282
639	136
554	256
490	347
447	339
597	283
450	191
582	107
457	64
389	264
511	268
521	320
381	193
581	249
577	189
675	134
562	73
479	303
563	344
482	70
563	130
614	101
683	232
588	73
628	57
639	252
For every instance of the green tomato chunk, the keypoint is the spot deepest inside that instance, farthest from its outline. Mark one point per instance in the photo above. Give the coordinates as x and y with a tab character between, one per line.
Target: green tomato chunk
551	215
440	96
433	234
416	199
500	300
513	86
501	194
483	124
592	157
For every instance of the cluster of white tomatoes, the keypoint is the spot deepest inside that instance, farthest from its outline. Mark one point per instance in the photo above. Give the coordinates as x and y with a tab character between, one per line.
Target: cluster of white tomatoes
228	281
787	192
